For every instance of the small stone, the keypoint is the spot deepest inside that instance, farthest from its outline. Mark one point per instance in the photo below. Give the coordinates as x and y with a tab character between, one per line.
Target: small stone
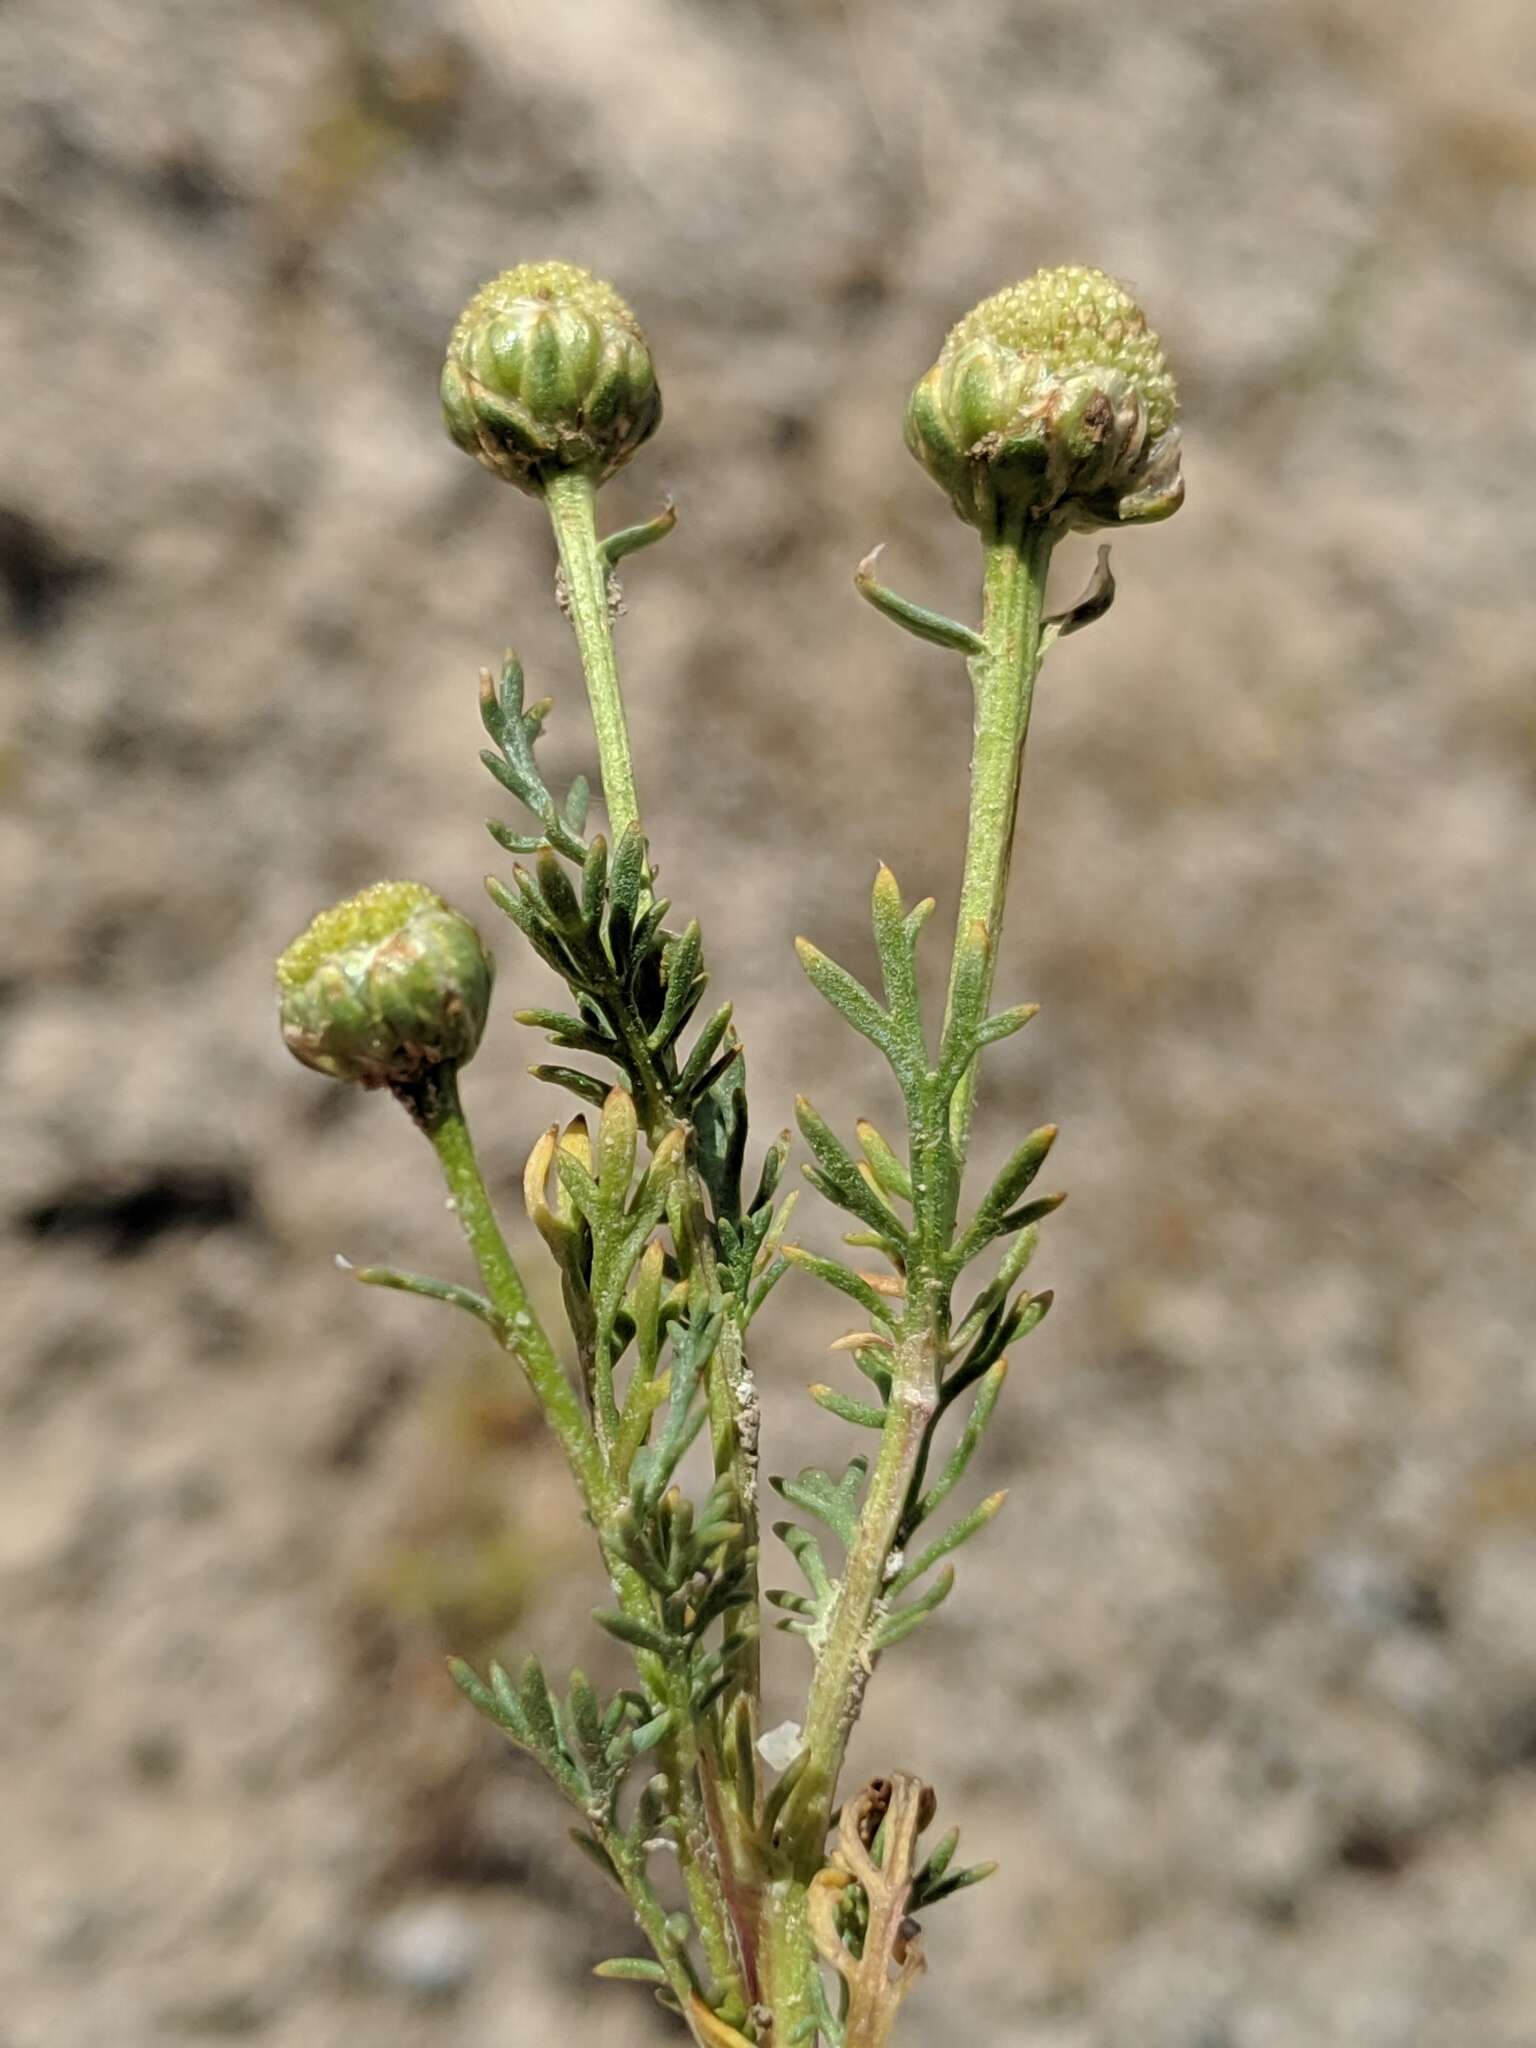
156	1756
82	1936
428	1948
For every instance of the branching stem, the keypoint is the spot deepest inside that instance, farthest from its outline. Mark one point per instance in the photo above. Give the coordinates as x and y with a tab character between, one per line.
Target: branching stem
436	1107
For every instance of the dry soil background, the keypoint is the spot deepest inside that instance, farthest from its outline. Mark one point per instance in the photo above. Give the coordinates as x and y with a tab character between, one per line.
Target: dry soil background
1242	1689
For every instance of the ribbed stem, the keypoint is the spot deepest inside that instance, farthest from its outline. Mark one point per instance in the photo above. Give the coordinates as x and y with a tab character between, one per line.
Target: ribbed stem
1003	679
787	1963
651	1918
571	497
842	1667
435	1105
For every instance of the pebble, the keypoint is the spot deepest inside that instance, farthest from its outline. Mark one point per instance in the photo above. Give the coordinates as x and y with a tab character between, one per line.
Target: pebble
428	1948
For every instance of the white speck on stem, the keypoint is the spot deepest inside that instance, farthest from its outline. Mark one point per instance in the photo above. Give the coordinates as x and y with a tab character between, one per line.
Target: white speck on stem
778	1747
895	1563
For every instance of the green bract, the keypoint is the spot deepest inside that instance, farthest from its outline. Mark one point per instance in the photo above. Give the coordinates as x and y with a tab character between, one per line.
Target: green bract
384	986
548	371
1051	400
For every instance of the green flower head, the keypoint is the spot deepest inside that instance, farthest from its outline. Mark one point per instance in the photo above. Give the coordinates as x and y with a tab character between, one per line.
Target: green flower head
1052	400
548	370
384	986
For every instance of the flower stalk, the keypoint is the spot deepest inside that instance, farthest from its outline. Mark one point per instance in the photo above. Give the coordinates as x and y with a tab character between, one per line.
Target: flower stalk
1003	673
1003	680
435	1107
571	499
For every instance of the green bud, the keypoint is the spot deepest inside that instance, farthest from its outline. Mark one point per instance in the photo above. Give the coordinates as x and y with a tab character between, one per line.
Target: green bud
1051	400
383	987
548	370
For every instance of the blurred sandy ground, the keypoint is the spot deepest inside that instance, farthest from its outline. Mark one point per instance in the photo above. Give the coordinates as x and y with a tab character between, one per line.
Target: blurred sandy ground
1242	1690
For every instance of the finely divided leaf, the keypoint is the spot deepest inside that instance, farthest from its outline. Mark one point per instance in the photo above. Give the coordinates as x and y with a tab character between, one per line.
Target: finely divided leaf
848	996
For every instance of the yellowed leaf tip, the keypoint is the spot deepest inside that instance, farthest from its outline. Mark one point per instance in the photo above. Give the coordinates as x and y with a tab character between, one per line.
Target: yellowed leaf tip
710	2029
885	1283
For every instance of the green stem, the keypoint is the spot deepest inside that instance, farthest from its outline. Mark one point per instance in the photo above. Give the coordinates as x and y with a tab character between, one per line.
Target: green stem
787	1963
435	1105
844	1661
699	1853
734	1418
650	1914
844	1656
1003	676
1003	679
680	1757
571	497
